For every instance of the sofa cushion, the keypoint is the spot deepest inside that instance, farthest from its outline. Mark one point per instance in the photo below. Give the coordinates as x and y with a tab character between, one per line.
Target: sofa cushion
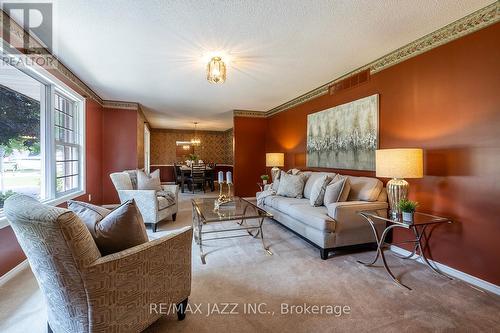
364	188
282	203
315	217
318	190
151	182
291	186
312	177
337	190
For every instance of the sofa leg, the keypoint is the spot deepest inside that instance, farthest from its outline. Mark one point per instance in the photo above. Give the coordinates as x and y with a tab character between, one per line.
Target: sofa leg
153	227
49	330
181	309
323	253
174	216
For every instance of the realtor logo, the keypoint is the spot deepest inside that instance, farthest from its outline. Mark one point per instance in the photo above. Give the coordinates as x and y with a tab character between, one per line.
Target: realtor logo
35	18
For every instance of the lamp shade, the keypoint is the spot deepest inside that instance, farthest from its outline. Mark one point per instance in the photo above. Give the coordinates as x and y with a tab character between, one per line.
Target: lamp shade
399	163
275	159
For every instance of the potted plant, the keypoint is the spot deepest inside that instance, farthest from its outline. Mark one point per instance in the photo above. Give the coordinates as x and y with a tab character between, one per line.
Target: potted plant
408	209
264	178
193	158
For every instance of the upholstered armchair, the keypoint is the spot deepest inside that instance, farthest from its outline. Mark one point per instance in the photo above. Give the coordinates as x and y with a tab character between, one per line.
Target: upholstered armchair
86	292
153	208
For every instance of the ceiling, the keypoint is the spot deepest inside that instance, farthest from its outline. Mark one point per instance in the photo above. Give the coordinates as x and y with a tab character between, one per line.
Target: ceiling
154	52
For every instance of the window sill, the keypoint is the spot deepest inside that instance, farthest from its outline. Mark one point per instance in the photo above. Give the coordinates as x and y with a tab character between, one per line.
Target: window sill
64	198
54	202
3	222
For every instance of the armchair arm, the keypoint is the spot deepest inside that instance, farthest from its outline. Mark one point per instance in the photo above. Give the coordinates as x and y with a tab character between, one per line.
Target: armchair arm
146	201
123	287
346	213
172	188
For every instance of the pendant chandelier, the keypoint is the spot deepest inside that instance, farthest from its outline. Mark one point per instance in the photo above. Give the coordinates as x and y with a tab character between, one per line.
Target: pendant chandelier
216	70
195	141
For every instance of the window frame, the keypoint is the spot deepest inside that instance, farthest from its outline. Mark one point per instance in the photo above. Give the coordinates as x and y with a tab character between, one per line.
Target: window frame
47	132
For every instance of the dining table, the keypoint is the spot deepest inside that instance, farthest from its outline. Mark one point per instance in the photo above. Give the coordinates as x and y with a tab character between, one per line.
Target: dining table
186	172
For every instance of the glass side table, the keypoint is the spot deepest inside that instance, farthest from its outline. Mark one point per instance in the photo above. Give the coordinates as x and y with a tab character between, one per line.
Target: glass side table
420	223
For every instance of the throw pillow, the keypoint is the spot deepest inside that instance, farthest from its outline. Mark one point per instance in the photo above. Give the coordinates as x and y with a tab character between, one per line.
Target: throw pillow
121	229
291	185
337	190
275	185
151	182
88	213
133	177
293	171
318	190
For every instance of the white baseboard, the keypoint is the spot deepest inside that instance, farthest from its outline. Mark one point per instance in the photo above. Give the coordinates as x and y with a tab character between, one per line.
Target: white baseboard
488	286
13	272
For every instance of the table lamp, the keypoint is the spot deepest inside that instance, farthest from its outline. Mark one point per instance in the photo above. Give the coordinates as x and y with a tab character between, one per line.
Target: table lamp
275	160
398	164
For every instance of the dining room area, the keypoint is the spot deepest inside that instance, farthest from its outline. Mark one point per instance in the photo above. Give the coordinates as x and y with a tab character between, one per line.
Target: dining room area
193	159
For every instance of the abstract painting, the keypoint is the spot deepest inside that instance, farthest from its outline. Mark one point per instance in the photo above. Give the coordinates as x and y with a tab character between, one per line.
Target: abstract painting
344	136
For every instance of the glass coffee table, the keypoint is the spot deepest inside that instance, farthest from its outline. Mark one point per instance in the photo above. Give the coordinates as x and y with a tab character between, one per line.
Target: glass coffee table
247	216
420	223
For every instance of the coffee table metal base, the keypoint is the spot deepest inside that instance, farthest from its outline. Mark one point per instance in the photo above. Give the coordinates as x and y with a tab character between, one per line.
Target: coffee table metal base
254	231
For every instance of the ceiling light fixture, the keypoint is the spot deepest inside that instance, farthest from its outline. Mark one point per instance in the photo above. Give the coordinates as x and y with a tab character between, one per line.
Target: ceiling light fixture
195	141
216	70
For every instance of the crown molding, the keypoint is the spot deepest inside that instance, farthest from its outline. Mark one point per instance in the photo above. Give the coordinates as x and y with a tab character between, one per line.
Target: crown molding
190	131
464	26
18	34
249	113
121	105
473	22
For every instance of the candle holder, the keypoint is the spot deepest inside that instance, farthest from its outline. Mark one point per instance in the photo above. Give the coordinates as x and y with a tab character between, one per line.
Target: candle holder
224	197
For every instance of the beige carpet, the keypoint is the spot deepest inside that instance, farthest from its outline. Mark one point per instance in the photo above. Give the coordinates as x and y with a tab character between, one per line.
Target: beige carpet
239	272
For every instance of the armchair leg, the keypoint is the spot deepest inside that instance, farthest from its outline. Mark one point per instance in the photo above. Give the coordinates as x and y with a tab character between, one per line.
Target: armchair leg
49	330
323	253
153	226
181	312
174	216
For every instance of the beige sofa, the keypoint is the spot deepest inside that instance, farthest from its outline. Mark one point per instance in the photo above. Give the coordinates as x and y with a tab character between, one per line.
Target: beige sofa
337	224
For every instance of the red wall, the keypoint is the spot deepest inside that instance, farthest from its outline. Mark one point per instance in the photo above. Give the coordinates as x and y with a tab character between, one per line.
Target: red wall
249	154
93	152
446	101
11	253
119	148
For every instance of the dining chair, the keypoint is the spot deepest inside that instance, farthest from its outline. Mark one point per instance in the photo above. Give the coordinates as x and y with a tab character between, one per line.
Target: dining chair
198	176
179	177
210	176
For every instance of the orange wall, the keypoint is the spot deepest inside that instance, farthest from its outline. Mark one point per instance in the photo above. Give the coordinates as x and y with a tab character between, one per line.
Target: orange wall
446	101
249	154
119	148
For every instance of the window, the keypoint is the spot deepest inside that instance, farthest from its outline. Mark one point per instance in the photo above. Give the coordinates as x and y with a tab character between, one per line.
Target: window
67	145
41	136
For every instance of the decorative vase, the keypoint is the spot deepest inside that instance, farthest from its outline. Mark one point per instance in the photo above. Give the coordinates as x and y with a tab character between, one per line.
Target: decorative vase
408	217
264	181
